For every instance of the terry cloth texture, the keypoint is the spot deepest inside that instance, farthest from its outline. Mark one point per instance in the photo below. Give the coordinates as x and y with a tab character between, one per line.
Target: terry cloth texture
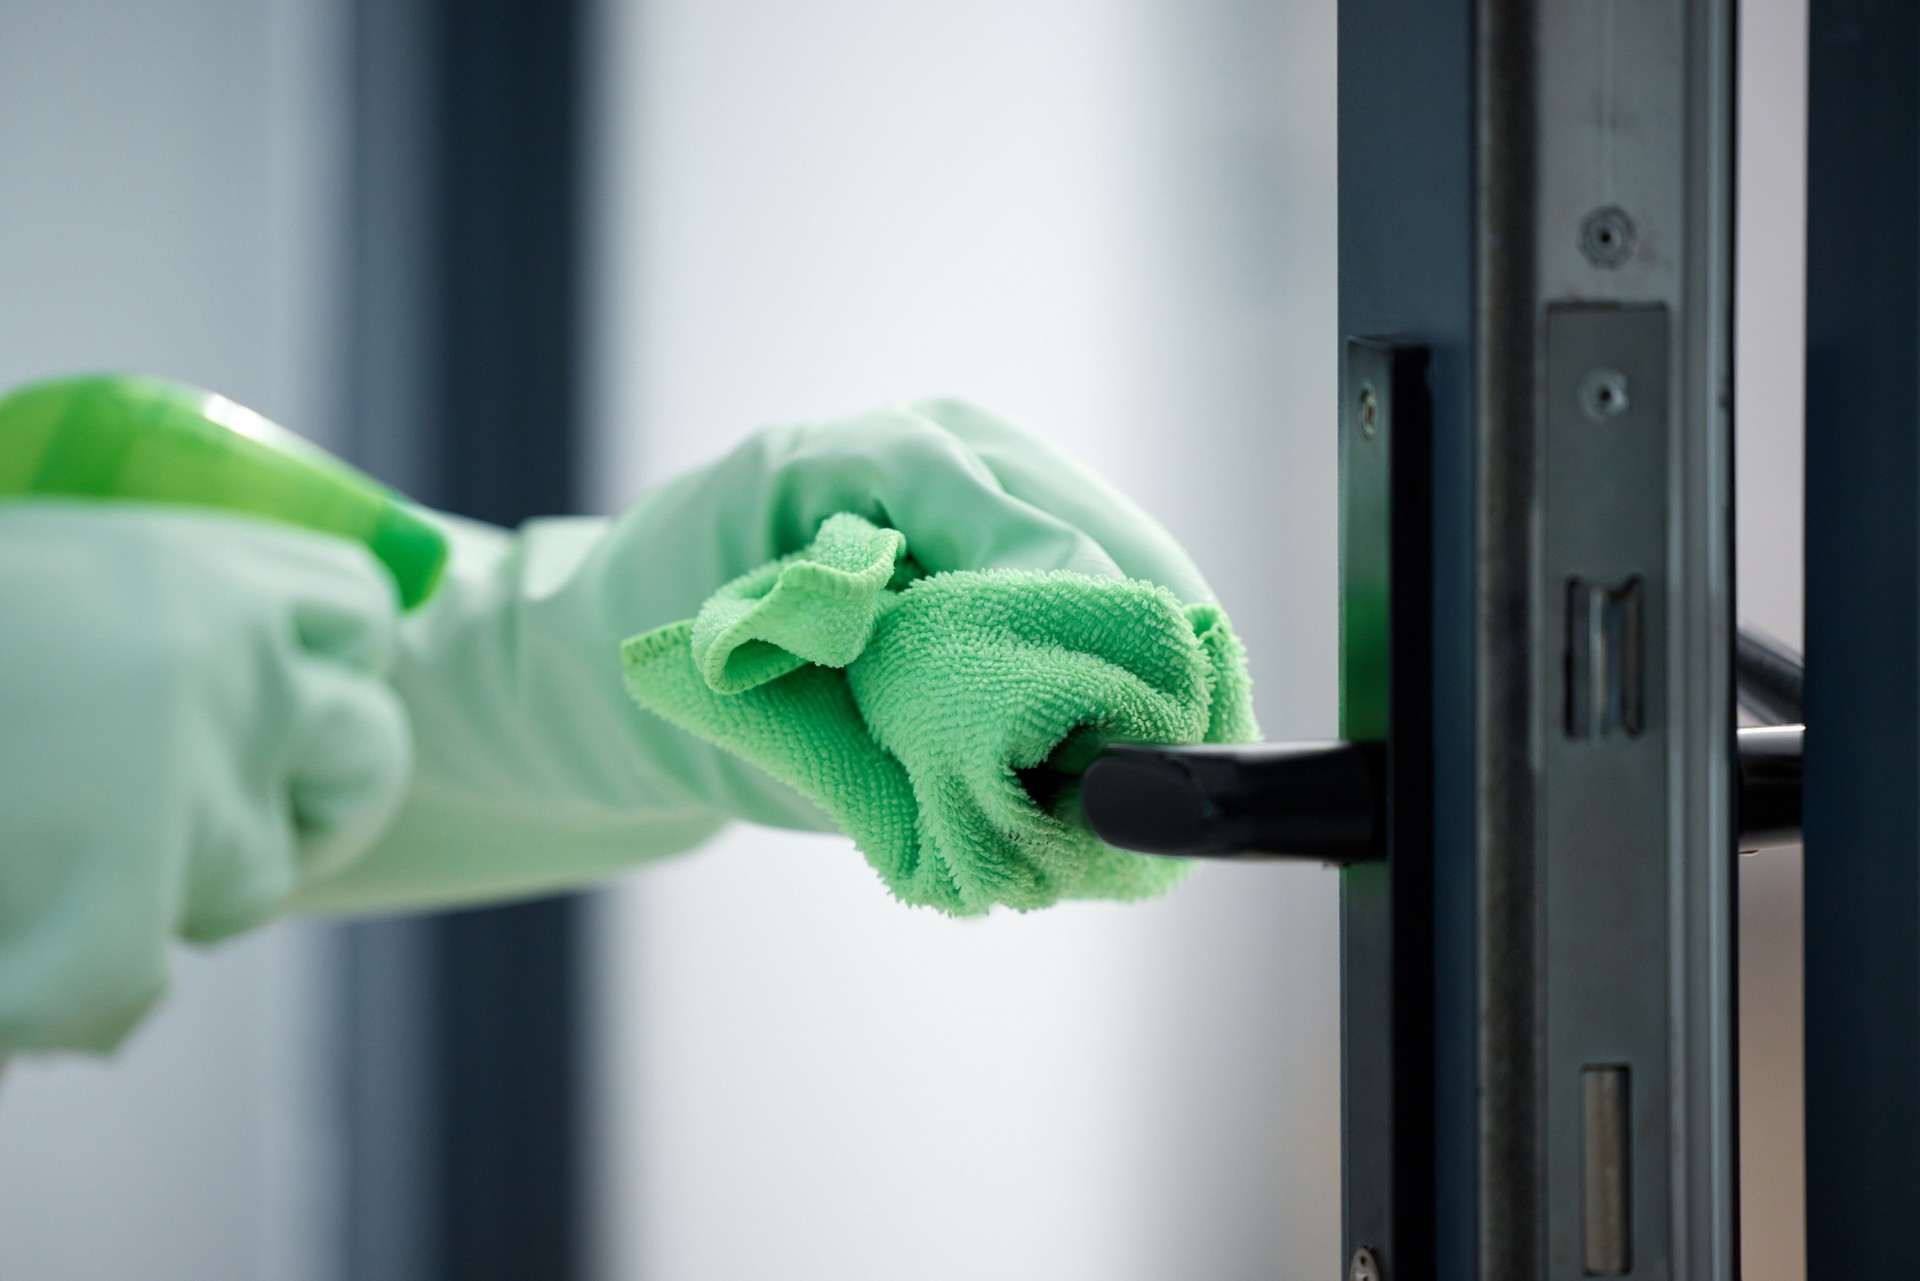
943	721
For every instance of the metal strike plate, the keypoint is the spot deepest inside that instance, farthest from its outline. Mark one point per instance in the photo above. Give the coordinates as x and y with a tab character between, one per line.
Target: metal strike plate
1605	790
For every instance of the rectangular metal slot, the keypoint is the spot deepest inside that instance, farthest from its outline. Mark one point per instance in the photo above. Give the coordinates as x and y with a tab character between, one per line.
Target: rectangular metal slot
1605	665
1606	1103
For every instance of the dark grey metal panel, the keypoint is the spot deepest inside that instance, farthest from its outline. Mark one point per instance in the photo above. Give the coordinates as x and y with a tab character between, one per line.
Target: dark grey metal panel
1407	254
1862	781
1512	1211
1606	732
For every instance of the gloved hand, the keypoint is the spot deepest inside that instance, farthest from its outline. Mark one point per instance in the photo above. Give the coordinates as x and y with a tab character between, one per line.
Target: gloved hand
193	721
536	770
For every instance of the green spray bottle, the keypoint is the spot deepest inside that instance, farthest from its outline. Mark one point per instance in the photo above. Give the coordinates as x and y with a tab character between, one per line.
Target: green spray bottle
144	439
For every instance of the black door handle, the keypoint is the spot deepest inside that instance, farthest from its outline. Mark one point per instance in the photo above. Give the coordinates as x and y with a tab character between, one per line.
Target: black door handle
1319	801
1324	801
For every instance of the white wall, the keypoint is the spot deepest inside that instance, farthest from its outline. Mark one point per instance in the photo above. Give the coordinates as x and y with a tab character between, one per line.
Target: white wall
167	171
1115	223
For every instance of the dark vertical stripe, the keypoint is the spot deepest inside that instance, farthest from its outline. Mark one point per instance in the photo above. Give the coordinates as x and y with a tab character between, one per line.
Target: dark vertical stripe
506	1092
507	173
1862	797
505	979
463	1039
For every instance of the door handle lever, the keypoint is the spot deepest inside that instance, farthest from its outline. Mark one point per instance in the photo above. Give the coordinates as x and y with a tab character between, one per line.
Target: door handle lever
1319	801
1325	801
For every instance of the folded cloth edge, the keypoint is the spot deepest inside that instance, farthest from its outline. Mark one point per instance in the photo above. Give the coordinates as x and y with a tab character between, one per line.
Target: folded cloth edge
830	609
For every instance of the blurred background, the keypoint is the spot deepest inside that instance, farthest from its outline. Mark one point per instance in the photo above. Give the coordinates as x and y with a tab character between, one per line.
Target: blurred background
524	256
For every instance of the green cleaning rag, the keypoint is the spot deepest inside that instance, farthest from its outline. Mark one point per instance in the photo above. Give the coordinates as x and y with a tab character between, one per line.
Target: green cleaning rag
942	721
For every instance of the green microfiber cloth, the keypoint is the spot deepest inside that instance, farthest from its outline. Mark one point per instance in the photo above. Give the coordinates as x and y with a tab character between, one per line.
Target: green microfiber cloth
943	720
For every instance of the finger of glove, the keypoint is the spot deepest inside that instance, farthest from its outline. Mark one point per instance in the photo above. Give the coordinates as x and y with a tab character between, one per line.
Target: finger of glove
322	766
903	470
1033	471
330	787
350	749
349	764
329	596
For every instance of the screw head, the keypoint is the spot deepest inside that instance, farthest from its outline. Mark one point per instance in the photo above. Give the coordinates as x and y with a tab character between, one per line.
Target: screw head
1366	412
1365	1267
1608	236
1603	395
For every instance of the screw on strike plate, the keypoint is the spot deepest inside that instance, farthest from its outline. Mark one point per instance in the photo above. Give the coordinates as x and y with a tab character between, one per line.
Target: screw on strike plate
1367	411
1365	1267
1603	395
1608	236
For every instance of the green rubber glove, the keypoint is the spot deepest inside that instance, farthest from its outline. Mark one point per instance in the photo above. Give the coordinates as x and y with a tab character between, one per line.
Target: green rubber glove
536	771
193	721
